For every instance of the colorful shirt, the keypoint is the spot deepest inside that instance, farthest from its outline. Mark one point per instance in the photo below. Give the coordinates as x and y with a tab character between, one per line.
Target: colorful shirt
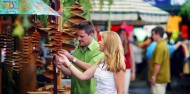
160	56
92	55
173	23
152	46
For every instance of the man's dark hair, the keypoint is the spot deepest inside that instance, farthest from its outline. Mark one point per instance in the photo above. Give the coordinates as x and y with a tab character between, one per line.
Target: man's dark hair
87	26
158	30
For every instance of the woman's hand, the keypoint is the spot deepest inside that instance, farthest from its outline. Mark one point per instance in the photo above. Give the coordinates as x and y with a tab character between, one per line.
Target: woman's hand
66	53
63	59
58	64
133	76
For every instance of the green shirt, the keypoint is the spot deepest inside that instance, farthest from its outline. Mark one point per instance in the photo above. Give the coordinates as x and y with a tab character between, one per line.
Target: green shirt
92	55
160	56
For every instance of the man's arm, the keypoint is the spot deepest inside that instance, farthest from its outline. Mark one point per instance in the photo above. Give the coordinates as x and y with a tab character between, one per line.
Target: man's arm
83	65
155	72
157	63
82	76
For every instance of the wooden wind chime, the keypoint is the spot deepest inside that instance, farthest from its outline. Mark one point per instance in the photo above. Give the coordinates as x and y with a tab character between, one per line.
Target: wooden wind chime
59	40
30	51
13	60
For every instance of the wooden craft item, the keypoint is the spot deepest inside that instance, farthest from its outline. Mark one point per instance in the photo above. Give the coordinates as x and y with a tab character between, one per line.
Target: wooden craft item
66	37
76	19
76	11
49	74
50	67
66	24
52	30
44	29
76	5
53	25
68	46
68	31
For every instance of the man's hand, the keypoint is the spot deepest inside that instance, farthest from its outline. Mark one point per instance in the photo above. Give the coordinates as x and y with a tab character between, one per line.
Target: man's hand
67	54
153	80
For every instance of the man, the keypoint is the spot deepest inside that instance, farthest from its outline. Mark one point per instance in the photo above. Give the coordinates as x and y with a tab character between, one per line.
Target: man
85	55
159	66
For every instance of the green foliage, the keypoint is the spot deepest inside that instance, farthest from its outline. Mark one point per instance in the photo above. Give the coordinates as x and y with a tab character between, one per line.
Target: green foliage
67	4
87	6
185	9
44	18
18	30
66	8
101	3
61	1
26	23
46	1
110	2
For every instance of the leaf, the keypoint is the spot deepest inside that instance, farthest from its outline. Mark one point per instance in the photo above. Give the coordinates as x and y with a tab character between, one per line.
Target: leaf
43	19
185	9
101	3
46	1
110	2
61	1
26	22
18	30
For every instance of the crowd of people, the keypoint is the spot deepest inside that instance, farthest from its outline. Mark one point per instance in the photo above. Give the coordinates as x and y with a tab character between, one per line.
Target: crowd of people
108	66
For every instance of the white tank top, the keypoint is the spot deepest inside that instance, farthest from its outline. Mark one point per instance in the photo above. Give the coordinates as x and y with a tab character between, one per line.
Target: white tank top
105	80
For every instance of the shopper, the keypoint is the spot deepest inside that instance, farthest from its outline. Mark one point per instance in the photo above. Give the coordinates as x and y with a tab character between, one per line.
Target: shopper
84	57
109	72
129	59
159	66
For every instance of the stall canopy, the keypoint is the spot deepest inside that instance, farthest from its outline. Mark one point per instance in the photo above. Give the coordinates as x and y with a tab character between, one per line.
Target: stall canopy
37	7
129	10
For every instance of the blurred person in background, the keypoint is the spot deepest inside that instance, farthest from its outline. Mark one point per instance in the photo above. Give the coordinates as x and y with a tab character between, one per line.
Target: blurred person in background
109	72
159	65
129	59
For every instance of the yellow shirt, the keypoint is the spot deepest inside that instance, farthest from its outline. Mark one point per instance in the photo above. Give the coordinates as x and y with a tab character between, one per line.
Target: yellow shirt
160	56
173	23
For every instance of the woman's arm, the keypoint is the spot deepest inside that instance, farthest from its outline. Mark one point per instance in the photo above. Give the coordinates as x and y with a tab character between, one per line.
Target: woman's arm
89	73
177	45
119	81
62	67
132	61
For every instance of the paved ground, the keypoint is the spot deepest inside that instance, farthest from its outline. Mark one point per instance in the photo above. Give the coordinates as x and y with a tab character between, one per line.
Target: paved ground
141	87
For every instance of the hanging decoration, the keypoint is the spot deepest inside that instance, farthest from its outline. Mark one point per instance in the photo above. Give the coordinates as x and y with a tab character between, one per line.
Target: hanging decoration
18	30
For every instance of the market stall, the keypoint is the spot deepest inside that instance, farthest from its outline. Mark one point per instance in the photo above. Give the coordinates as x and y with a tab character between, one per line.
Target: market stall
128	10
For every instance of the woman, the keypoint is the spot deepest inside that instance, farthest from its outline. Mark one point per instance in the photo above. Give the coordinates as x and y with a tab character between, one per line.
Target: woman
109	72
129	60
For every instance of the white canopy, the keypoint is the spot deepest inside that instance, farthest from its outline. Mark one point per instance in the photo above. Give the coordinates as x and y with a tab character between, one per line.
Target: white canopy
128	10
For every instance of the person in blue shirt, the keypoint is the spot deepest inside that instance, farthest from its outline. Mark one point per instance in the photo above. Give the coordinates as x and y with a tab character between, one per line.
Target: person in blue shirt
151	47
